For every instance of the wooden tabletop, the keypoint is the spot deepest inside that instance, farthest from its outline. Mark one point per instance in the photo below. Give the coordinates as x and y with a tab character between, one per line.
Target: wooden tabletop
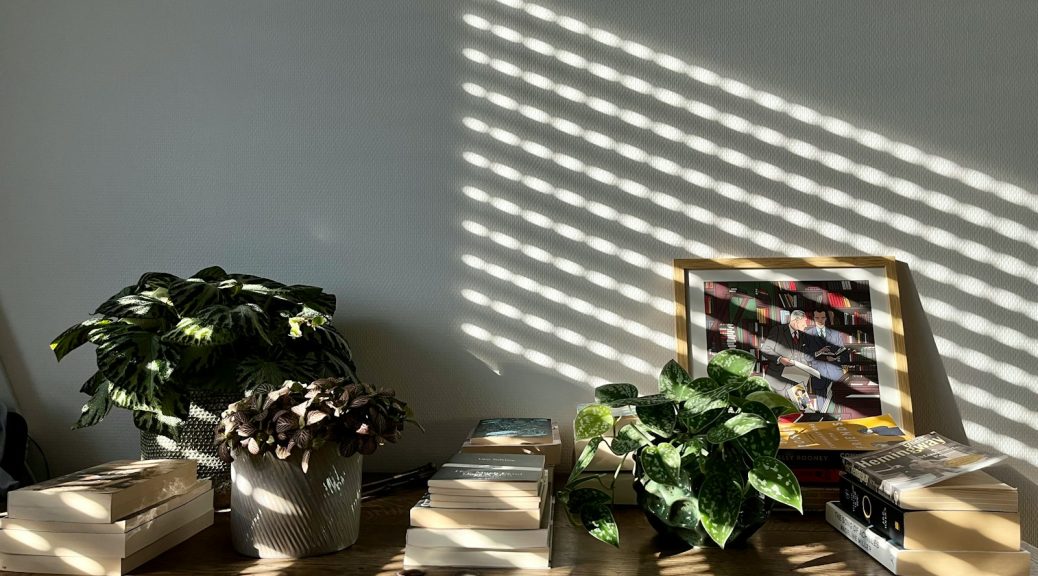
788	544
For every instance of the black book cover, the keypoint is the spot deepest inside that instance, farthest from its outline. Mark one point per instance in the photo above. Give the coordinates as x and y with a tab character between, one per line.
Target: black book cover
872	509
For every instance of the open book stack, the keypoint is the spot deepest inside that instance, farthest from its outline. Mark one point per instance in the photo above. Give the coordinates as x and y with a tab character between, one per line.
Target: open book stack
925	507
104	520
516	436
484	510
814	451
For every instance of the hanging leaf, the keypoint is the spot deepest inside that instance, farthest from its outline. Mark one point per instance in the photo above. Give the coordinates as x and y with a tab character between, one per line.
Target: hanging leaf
731	367
719	503
577	499
75	337
96	408
140	366
593	420
585	458
167	426
661	463
772	478
763	441
734	427
610	392
659	418
599	522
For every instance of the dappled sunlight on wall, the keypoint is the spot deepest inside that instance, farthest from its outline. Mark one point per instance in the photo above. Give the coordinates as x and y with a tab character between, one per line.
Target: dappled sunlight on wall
590	160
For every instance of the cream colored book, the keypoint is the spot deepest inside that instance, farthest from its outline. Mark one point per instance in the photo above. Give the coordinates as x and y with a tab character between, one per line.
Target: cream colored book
119	526
489	503
424	515
14	541
103	494
104	565
484	538
532	559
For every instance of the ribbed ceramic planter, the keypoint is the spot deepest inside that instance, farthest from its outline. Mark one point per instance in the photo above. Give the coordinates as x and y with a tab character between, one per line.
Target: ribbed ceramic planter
278	511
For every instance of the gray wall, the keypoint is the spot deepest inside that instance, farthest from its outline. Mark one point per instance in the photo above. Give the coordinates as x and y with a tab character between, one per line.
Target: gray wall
496	197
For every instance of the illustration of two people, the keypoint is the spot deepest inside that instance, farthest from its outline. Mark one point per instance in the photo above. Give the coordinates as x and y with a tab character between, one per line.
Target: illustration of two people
802	343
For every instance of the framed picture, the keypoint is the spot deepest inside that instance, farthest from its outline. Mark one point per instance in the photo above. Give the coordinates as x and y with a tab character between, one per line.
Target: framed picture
825	332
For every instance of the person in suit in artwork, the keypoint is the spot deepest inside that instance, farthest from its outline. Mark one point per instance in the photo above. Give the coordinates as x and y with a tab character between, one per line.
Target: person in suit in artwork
824	344
785	344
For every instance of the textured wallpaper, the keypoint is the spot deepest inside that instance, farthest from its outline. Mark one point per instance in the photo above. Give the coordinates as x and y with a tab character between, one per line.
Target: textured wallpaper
495	189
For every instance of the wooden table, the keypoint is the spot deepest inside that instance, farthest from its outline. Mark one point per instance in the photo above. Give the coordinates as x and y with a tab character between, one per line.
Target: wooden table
788	544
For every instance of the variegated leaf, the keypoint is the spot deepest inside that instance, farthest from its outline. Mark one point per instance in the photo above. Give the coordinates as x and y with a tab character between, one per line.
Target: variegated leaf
731	367
686	514
577	499
754	384
772	478
585	458
763	441
629	438
168	426
659	418
211	274
719	503
136	306
694	453
619	391
675	383
154	280
661	463
75	337
778	403
699	415
592	420
192	295
599	523
734	427
309	296
336	352
140	367
651	400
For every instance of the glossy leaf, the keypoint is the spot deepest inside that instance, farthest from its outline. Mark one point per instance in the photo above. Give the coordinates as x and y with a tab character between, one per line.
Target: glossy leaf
763	441
630	438
772	478
735	427
577	499
731	367
135	306
611	392
592	420
719	501
754	384
167	426
675	382
696	420
96	408
75	337
660	418
599	522
777	403
651	400
585	458
661	463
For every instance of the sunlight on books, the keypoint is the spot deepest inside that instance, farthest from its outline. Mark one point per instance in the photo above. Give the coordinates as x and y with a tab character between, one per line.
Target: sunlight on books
86	506
838	127
77	561
31	539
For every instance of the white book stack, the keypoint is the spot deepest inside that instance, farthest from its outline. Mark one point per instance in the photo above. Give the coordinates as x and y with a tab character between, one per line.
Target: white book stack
105	520
484	510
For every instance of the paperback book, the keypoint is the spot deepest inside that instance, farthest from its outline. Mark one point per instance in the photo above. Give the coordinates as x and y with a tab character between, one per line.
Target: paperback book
490	471
511	431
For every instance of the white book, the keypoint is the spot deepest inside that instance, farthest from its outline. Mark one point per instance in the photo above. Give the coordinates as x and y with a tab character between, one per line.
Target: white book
15	541
487	539
103	565
485	503
103	494
926	562
119	526
539	558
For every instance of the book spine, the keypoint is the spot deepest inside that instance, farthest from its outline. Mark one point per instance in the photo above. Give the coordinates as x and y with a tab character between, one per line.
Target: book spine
881	551
858	472
795	458
873	510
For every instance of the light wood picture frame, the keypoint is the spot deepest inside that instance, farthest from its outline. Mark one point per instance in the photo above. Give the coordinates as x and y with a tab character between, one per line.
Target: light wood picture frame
841	356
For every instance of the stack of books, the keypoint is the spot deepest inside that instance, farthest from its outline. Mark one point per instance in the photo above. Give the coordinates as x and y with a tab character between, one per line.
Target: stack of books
105	520
516	436
484	510
925	507
814	451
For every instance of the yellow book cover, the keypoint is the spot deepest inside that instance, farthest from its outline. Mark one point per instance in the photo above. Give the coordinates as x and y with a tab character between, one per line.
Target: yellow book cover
853	435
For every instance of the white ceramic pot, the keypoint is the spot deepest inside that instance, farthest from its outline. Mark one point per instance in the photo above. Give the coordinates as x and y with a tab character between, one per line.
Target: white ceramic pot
277	511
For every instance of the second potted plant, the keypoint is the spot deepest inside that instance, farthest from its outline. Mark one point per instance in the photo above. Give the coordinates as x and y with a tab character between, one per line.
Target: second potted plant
295	455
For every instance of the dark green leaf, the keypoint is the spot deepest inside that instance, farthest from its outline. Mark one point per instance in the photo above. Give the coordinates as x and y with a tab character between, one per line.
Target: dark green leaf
778	403
210	274
731	367
96	408
592	420
675	383
772	478
193	295
154	280
719	503
697	419
140	368
652	400
686	514
694	453
577	499
755	384
309	296
598	521
91	386
734	427
763	441
167	426
610	392
585	458
136	306
630	438
661	463
659	418
75	337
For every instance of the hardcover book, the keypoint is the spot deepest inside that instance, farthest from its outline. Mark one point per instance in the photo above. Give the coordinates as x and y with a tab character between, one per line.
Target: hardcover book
904	562
930	529
511	431
103	494
916	464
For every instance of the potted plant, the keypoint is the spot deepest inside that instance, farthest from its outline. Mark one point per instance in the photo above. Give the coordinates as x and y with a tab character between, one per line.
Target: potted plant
704	450
295	455
175	351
